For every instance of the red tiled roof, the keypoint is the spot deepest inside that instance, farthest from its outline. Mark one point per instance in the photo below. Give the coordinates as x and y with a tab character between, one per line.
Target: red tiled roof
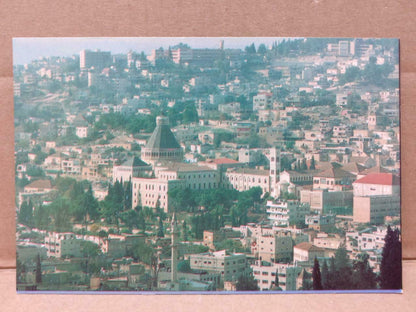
221	161
353	167
266	93
334	173
40	184
380	178
376	169
308	247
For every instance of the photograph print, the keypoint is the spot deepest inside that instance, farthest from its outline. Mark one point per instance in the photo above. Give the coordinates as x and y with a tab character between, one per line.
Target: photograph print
207	165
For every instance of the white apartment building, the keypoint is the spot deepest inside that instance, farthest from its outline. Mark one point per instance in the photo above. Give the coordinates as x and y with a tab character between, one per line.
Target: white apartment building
265	275
286	213
326	241
277	247
341	99
71	166
320	222
366	240
306	252
61	245
262	101
230	266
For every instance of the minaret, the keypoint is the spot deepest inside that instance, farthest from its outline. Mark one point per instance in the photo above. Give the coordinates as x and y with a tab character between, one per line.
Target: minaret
274	171
175	244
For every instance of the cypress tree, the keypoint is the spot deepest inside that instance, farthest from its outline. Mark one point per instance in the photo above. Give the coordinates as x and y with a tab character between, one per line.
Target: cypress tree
25	215
303	165
332	274
324	275
160	233
343	275
306	281
38	270
391	263
312	165
184	231
316	276
275	284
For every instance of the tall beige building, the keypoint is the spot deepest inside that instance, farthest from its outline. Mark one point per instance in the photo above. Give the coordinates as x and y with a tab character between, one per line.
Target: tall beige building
376	196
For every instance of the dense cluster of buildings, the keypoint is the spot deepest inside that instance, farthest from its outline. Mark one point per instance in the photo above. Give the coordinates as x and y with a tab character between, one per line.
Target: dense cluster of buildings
321	144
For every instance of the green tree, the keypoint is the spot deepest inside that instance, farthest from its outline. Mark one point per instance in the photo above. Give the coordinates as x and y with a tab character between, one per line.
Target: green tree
332	272
376	74
306	280
160	232
313	164
245	283
324	275
363	276
251	49
342	275
190	114
356	104
184	266
90	205
89	249
25	215
184	231
141	221
303	165
20	269
230	245
143	252
38	270
130	218
316	276
91	252
276	281
103	234
41	218
352	74
113	204
262	49
391	263
59	211
127	200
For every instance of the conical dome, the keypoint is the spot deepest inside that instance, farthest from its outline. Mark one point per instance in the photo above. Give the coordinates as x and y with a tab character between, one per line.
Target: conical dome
162	145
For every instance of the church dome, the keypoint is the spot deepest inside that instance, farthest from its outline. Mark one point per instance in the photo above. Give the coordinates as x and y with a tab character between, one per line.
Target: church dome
162	145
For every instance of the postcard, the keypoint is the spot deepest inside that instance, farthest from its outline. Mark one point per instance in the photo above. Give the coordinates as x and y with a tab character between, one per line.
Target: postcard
207	165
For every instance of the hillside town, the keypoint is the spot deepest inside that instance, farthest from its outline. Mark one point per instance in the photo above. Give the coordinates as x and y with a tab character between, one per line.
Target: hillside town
263	168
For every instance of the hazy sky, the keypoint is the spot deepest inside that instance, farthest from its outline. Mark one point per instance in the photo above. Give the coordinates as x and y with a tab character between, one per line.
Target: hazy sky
27	49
